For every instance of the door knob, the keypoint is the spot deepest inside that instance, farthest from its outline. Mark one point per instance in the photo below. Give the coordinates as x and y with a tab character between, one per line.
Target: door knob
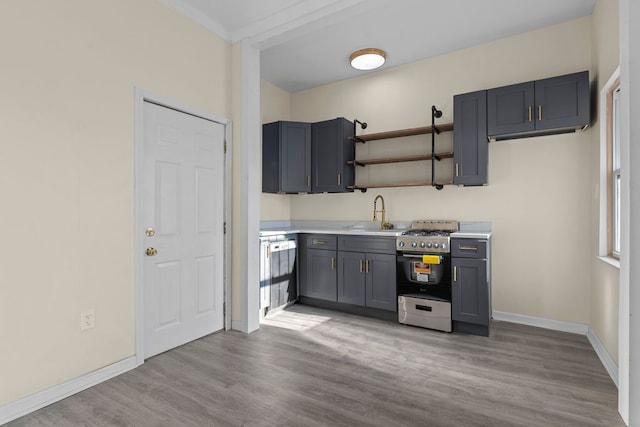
152	252
150	232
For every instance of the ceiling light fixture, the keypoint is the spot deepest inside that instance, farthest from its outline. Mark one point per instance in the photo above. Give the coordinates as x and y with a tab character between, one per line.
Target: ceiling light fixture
368	59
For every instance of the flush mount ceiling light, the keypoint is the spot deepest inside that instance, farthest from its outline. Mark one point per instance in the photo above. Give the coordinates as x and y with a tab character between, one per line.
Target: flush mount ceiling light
367	59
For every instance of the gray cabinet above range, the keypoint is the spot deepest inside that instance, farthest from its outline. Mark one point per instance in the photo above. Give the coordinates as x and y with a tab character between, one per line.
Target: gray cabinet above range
542	107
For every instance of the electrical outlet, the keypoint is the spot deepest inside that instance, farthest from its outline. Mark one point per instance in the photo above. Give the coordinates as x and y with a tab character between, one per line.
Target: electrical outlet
87	319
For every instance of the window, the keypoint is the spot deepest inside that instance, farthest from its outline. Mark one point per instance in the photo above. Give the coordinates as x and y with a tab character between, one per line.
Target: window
614	179
610	172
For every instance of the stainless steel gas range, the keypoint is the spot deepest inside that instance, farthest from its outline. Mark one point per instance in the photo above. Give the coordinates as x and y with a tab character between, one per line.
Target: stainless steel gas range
424	274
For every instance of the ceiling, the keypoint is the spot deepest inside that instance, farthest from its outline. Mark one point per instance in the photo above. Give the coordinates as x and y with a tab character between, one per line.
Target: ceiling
307	43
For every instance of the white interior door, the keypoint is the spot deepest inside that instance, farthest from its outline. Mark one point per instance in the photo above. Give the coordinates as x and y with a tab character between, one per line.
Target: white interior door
182	208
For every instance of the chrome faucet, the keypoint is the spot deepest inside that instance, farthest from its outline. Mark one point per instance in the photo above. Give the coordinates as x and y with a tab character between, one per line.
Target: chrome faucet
383	224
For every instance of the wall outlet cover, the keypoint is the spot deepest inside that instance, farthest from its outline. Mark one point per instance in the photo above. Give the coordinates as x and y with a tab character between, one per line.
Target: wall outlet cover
88	319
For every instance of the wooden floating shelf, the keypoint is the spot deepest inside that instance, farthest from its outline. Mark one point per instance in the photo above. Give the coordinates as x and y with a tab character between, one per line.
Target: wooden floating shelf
400	184
385	160
446	127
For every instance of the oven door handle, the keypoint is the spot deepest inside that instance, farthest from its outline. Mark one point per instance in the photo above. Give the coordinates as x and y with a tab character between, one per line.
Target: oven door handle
411	256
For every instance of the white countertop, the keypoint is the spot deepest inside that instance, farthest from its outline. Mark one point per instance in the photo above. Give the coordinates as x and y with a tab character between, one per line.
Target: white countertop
471	230
471	234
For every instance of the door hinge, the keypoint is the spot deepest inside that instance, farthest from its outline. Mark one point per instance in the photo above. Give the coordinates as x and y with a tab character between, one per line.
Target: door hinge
225	147
224	310
224	228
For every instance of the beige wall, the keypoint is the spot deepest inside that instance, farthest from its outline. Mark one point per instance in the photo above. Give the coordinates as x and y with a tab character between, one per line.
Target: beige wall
604	285
66	171
275	104
540	192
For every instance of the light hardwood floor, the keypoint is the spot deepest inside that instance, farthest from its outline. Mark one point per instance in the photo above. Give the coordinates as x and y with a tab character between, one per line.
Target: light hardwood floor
313	367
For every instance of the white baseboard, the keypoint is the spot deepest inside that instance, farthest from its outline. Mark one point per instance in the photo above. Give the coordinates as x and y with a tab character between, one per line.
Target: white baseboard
576	328
28	404
556	325
607	361
238	325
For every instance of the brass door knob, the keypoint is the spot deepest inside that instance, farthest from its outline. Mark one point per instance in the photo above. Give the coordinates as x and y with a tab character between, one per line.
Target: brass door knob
150	232
152	252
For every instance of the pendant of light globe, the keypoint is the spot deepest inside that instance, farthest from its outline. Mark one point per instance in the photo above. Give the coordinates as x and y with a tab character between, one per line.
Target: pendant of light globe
367	59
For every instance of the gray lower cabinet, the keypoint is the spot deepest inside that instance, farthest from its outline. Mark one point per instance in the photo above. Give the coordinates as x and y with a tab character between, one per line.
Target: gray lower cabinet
351	278
353	271
380	286
470	286
470	144
286	157
318	263
367	271
554	105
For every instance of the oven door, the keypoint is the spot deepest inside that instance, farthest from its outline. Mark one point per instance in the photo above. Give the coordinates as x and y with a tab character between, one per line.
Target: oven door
415	271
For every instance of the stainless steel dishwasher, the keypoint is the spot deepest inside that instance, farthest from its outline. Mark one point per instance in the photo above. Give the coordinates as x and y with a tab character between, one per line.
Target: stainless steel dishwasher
278	287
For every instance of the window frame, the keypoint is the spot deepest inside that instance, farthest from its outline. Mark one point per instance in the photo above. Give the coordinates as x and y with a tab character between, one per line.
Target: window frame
609	249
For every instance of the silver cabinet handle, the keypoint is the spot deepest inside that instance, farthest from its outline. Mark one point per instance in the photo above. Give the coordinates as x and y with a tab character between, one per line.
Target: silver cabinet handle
455	273
333	263
530	113
468	248
361	266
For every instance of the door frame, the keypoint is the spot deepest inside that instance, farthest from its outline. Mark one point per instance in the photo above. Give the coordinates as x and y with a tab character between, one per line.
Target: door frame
140	97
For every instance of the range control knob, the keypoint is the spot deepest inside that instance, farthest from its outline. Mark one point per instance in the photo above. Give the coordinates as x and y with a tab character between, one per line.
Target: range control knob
444	245
436	245
401	244
429	244
422	244
414	244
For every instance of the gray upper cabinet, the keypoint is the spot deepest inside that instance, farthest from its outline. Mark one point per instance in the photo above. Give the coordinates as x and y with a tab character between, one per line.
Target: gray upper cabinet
554	105
286	157
470	145
331	150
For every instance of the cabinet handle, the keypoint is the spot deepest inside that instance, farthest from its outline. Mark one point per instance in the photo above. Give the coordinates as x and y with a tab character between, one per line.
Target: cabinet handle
539	113
361	266
319	242
457	170
308	180
333	263
530	113
468	248
455	273
268	251
339	180
367	267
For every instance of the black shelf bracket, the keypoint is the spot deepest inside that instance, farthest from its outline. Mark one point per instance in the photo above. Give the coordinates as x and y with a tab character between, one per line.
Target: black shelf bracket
363	125
435	113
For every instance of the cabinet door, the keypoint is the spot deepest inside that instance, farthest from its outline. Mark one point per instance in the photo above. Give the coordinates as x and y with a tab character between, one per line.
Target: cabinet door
351	278
381	282
295	157
320	279
470	144
562	102
510	109
331	149
470	291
